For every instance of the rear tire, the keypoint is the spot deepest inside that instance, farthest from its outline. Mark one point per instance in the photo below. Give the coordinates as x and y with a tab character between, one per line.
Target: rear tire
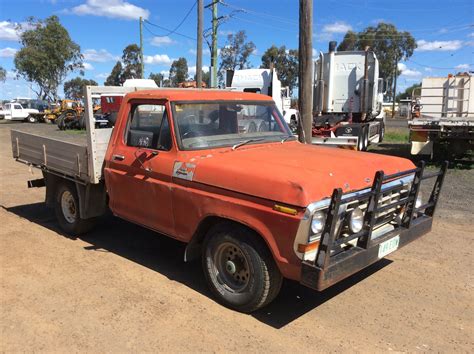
363	142
381	132
67	211
239	268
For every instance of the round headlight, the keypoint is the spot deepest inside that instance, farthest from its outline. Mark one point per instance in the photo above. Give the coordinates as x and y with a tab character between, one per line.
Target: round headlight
419	200
317	224
356	220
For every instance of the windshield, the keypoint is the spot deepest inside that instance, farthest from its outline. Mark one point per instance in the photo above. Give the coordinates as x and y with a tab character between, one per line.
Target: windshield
205	125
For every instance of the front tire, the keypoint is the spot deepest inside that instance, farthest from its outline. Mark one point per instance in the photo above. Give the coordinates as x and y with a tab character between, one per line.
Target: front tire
239	269
31	119
67	211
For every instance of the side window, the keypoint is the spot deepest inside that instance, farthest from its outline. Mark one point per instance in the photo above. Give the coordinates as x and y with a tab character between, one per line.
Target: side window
148	127
17	106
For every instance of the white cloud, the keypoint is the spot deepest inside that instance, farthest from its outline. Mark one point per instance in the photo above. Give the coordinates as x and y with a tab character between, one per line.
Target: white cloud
165	73
99	56
462	66
7	52
438	45
408	72
192	70
161	41
428	69
160	59
205	51
224	33
110	8
8	31
102	76
337	27
471	35
87	66
11	75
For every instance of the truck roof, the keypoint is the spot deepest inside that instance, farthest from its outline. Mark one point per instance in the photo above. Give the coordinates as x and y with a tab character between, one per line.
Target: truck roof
197	95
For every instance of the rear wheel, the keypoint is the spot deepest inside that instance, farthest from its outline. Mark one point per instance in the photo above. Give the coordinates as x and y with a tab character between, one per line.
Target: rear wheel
381	132
60	122
67	211
239	268
363	142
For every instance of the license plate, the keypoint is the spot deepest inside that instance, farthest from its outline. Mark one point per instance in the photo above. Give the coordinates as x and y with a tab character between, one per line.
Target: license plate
388	246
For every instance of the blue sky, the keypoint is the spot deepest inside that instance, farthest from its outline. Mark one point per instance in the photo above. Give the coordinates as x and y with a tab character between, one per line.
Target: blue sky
444	31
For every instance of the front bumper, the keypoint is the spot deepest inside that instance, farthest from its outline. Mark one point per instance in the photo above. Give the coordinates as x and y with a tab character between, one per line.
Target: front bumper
331	265
355	259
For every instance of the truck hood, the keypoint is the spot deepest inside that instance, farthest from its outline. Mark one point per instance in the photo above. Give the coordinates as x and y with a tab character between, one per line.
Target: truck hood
30	110
292	173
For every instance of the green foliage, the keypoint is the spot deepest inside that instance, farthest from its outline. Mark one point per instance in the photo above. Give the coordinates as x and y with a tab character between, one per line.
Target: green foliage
285	62
132	67
178	71
206	77
74	88
389	44
396	136
235	54
3	74
408	92
47	56
115	77
159	79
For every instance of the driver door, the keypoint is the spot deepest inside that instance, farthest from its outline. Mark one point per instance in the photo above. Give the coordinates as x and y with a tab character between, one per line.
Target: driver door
139	173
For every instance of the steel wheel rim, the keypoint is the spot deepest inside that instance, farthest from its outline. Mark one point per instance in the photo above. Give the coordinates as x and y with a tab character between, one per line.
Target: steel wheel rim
68	207
231	267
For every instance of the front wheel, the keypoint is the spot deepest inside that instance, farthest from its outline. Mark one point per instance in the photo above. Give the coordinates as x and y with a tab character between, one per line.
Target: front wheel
31	119
239	268
67	211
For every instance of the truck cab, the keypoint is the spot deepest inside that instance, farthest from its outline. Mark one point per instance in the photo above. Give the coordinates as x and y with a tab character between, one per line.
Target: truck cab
266	82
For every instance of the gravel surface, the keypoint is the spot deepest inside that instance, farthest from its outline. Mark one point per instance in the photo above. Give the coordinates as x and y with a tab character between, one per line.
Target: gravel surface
124	288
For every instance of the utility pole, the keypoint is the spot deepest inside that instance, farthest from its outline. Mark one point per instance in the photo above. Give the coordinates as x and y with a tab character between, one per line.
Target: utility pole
141	48
200	10
395	72
214	44
305	71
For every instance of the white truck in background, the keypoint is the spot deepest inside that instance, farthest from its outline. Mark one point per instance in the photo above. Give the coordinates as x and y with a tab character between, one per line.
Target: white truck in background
443	113
266	82
347	99
15	111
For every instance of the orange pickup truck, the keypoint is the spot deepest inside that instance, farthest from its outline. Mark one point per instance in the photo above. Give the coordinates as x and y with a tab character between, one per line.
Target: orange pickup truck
221	171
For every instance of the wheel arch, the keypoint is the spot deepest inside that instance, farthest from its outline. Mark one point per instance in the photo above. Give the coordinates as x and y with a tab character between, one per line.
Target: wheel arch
193	248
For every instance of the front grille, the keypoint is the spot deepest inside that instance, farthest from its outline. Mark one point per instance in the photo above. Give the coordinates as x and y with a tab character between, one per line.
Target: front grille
391	206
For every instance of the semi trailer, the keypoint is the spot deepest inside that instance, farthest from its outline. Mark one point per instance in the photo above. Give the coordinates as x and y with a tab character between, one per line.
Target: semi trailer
443	113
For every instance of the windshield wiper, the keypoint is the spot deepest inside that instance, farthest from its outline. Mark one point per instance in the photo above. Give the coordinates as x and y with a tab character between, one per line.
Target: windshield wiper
246	142
287	137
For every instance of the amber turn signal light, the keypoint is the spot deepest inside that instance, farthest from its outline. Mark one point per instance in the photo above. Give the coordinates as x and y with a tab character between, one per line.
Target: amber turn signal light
308	247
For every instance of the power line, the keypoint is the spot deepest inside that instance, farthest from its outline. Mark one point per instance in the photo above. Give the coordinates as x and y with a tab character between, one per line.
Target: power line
432	67
173	31
260	14
166	29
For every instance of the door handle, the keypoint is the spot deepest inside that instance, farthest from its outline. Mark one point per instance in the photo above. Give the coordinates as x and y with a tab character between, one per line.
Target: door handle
118	157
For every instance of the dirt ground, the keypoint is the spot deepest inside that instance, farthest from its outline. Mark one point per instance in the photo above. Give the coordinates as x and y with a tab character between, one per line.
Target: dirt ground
124	288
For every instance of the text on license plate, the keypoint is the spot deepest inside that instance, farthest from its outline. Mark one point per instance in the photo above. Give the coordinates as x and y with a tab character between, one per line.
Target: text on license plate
388	246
